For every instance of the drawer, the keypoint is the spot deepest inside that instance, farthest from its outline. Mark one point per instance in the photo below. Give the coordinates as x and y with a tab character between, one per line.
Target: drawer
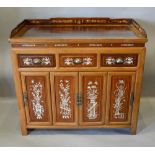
36	60
119	60
78	60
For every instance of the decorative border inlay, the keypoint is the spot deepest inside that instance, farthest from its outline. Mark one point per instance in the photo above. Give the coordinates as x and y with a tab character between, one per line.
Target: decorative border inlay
128	60
37	99
92	95
65	45
65	99
79	21
82	21
73	61
119	60
119	99
32	61
61	45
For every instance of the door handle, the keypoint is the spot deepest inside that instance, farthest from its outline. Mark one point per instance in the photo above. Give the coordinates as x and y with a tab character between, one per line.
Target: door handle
79	99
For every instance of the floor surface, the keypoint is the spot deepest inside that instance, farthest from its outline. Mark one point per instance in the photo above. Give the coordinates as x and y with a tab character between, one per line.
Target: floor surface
10	131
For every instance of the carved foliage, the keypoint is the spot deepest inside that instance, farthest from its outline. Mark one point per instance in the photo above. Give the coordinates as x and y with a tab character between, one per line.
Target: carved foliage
65	99
92	95
37	108
30	61
36	60
126	60
65	93
120	98
37	101
92	98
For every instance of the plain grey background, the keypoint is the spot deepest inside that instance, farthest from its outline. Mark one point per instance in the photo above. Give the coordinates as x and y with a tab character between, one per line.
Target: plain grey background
10	17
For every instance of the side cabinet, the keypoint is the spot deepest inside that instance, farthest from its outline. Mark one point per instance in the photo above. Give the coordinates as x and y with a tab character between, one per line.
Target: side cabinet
36	97
78	72
120	97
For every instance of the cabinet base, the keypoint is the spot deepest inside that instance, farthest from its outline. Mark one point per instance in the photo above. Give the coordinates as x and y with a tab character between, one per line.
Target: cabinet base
128	131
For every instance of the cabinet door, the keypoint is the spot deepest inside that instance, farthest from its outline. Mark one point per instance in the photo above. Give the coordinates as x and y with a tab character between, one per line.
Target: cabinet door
93	94
36	94
120	92
64	90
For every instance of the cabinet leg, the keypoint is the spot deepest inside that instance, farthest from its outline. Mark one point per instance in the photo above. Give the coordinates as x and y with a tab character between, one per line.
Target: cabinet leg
24	131
133	131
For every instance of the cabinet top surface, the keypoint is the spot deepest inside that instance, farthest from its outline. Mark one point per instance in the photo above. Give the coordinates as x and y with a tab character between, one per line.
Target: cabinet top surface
78	28
78	32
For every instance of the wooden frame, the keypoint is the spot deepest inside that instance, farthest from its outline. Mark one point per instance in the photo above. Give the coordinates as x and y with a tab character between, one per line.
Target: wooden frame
75	46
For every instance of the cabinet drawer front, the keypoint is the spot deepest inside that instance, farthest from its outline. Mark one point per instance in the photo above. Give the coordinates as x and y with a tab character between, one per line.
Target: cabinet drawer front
119	60
78	60
36	60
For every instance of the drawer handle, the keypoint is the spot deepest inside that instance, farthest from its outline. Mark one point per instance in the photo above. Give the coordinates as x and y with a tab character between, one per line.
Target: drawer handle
77	61
119	61
37	61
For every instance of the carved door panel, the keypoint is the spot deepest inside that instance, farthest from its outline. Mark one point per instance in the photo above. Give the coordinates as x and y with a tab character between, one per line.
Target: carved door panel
65	88
36	97
92	89
120	97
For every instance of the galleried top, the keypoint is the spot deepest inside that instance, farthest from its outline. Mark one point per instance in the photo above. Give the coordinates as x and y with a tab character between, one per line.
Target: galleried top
71	29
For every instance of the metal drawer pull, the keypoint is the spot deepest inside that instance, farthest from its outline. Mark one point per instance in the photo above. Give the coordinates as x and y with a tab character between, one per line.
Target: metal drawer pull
37	61
77	61
119	61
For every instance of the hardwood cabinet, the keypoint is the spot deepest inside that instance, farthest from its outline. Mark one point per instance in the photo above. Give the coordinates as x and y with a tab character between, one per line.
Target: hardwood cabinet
78	72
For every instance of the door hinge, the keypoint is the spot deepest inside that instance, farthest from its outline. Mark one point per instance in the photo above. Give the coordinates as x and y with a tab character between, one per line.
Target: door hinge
79	99
132	98
25	98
